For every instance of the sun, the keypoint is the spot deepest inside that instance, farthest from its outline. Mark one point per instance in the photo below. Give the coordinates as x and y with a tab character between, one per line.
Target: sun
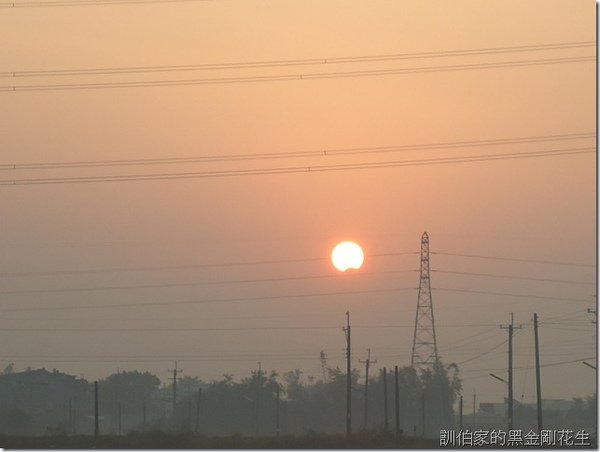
347	255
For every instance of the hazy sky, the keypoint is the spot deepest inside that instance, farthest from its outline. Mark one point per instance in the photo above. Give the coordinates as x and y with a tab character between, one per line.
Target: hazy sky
539	209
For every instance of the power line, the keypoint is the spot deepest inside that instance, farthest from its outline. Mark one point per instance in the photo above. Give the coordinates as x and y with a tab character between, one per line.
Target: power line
187	267
505	294
295	77
521	368
216	329
291	62
192	302
270	298
170	330
579	329
536	261
156	360
559	363
172	354
255	280
525	278
165	359
156	268
578	312
193	284
175	354
561	343
297	169
495	347
38	4
568	322
294	154
469	338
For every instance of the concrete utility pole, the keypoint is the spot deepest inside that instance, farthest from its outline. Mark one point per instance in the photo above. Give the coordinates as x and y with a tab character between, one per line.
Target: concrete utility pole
144	415
198	409
277	410
474	410
70	418
175	372
367	363
510	329
74	415
119	417
460	414
114	420
257	400
386	422
423	413
190	405
348	377
397	404
538	386
96	426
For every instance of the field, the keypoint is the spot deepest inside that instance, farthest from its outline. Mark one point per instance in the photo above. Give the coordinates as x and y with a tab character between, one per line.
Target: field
161	440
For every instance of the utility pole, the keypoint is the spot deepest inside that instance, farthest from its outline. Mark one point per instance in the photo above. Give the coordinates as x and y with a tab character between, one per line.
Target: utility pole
190	405
96	426
74	426
538	386
257	402
474	410
175	372
258	397
144	415
114	421
277	410
198	409
510	329
119	418
423	413
74	415
70	421
367	364
397	404
323	359
460	414
348	377
385	402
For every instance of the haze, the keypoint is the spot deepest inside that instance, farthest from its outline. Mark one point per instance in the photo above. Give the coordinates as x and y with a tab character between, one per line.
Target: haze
541	208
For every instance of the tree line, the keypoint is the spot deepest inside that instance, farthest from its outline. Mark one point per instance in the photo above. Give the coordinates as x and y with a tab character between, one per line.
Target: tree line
43	402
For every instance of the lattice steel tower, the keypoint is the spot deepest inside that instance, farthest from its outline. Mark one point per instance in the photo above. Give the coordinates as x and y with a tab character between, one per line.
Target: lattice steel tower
424	350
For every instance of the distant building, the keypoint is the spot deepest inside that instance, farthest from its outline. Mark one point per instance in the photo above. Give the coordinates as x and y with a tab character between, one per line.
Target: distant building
493	415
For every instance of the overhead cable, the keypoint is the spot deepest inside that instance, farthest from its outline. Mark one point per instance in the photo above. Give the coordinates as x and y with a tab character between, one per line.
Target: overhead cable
299	169
296	154
296	77
292	62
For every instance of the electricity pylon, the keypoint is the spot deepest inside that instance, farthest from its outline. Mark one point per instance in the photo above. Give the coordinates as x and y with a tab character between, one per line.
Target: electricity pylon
424	350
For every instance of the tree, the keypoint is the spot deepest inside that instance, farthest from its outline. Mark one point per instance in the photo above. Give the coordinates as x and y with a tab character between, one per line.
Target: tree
440	386
293	388
122	398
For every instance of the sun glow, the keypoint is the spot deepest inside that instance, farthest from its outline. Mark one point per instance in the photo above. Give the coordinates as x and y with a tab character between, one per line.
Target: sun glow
347	255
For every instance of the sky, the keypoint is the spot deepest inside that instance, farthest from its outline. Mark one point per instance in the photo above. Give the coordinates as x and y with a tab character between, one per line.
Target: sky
234	269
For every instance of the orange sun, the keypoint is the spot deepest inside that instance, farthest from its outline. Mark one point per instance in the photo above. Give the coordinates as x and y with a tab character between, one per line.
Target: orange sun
347	255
